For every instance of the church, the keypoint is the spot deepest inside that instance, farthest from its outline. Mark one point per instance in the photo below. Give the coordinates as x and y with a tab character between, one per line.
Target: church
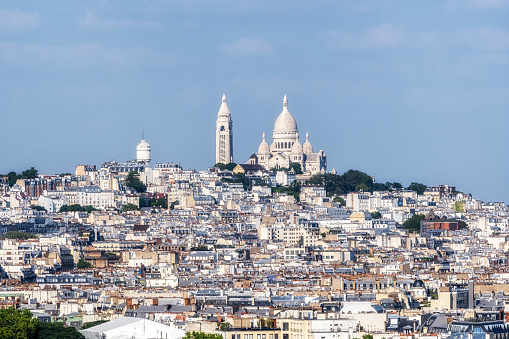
284	149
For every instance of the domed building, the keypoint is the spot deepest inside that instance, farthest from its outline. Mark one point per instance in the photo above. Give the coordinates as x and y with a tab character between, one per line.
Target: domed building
286	147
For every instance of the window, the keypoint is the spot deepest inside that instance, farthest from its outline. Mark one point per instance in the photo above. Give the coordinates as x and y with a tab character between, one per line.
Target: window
285	327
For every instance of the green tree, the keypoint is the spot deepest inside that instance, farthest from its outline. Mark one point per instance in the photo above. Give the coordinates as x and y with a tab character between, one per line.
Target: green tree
202	335
57	331
367	336
93	323
31	173
83	264
77	208
413	224
463	225
18	235
460	206
362	188
230	166
301	241
38	208
133	181
17	324
417	187
376	215
172	205
340	200
129	207
296	167
12	177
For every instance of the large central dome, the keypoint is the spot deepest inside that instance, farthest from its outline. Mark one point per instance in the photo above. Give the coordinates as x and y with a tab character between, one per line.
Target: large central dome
285	121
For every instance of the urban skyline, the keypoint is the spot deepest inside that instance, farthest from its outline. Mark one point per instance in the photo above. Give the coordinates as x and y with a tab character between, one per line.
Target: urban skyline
378	84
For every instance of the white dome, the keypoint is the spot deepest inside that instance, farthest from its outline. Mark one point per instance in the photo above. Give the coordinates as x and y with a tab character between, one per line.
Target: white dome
224	110
297	146
264	147
143	145
285	121
307	148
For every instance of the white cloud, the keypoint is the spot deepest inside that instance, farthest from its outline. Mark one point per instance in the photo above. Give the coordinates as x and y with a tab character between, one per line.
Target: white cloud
380	37
247	47
14	20
486	39
90	21
84	55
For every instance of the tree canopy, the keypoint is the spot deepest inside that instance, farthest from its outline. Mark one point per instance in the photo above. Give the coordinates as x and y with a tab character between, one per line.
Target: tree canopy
413	224
18	324
340	200
129	207
77	208
133	181
419	188
31	173
18	235
228	167
82	264
153	202
202	335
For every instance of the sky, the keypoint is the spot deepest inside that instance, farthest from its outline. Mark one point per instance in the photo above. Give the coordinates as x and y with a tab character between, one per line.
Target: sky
402	90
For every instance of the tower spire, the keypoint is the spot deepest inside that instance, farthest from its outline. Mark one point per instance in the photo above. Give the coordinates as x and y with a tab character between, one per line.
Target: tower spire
285	101
224	97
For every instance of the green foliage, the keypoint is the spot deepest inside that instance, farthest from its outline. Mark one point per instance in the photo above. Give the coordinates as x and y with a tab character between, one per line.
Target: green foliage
133	181
294	165
247	183
224	326
460	206
57	331
376	215
228	167
419	188
172	205
202	335
340	200
129	207
12	177
153	202
362	188
414	223
31	173
18	235
93	323
38	208
293	189
323	234
301	241
463	225
77	208
17	324
341	184
367	336
83	264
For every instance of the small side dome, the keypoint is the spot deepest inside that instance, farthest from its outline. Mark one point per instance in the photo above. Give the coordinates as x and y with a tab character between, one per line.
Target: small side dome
264	147
297	147
307	145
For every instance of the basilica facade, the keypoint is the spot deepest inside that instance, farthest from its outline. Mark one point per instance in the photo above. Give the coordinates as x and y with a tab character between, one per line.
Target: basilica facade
286	147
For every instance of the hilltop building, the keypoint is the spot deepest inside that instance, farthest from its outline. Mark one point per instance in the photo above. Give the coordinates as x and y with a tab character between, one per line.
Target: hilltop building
224	134
286	147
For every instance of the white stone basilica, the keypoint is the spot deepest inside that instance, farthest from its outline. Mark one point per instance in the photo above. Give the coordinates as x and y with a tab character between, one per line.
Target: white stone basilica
286	147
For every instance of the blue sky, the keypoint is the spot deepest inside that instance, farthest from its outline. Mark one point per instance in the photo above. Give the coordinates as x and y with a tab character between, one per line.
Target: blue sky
403	90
